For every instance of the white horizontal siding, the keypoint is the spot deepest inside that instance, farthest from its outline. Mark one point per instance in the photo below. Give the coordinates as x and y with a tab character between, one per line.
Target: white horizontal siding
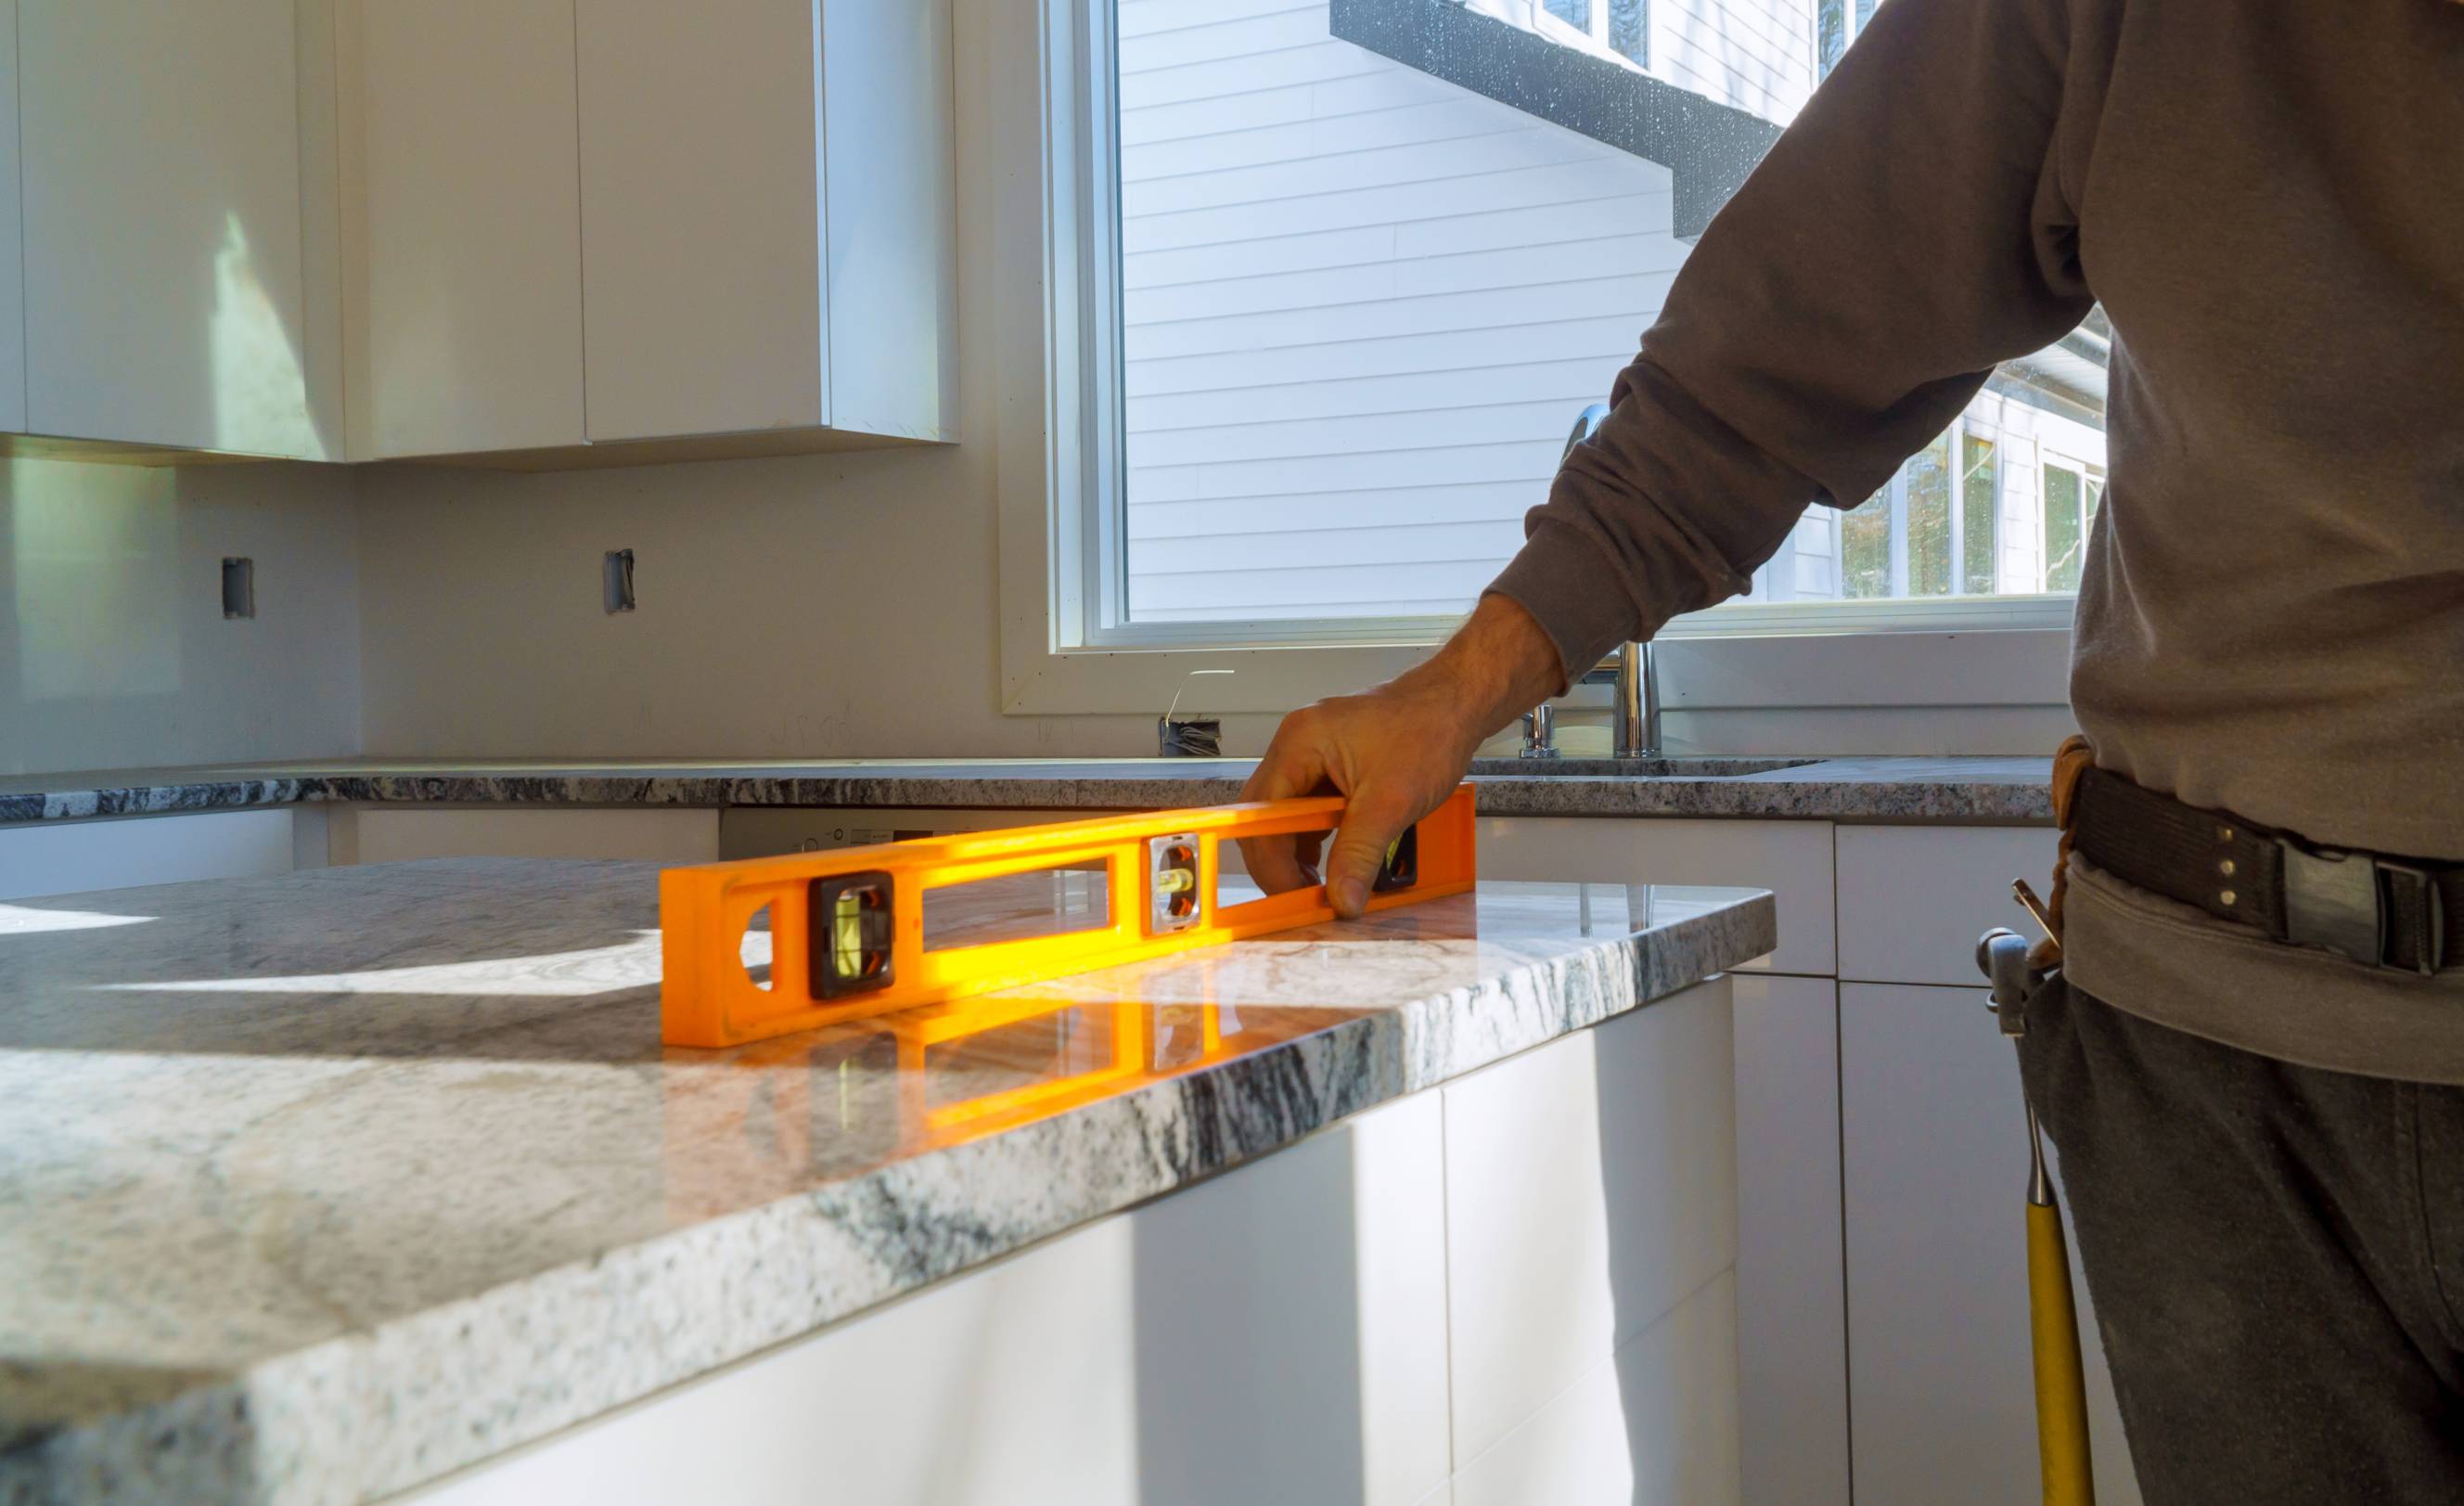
1361	308
1754	54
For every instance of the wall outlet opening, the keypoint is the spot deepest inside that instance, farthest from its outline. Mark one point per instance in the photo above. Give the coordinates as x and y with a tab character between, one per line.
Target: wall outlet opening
239	587
616	580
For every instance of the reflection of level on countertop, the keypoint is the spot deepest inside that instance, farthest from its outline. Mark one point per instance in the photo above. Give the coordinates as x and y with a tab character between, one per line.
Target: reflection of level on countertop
847	931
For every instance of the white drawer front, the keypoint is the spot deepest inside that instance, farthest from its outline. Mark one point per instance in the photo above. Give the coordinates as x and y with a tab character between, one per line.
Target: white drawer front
1790	858
1914	900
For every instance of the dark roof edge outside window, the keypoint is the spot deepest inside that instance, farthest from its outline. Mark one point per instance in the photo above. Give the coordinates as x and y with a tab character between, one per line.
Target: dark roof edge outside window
1708	147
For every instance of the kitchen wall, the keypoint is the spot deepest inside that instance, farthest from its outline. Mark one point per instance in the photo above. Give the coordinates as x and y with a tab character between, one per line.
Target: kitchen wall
824	606
114	651
813	606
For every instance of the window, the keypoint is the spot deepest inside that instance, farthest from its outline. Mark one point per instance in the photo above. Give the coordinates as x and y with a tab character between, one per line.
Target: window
1980	516
1346	302
1623	26
2072	492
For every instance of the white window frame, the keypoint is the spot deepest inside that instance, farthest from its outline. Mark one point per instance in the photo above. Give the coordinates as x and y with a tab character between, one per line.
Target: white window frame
1064	648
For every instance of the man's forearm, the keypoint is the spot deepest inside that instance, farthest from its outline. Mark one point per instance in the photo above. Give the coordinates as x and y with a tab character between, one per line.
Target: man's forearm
1496	667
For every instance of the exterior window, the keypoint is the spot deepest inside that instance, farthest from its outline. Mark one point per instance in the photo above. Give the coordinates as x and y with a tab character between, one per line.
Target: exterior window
1836	24
1866	548
1630	30
1929	525
2072	492
1345	309
1980	509
1831	34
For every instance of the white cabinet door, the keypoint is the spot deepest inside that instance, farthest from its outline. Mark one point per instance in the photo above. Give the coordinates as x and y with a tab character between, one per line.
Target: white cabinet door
1914	900
399	835
701	216
56	857
1790	858
767	216
163	300
1792	1296
467	188
1590	1190
1654	1426
1936	1160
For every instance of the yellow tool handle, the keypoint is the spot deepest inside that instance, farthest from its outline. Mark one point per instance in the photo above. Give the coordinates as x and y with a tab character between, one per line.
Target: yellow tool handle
2062	1389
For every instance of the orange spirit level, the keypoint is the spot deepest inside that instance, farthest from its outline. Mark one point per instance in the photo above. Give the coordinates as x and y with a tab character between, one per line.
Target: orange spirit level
847	927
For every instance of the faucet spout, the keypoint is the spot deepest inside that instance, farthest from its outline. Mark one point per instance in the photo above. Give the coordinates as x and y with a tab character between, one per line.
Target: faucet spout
1634	720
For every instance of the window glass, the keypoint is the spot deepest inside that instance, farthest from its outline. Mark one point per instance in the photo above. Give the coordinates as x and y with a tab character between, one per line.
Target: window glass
1928	488
1831	32
1362	300
2063	534
1629	29
1980	502
1866	547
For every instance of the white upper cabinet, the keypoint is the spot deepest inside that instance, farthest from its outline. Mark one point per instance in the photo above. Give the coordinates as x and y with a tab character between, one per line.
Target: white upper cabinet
162	282
532	233
462	204
766	217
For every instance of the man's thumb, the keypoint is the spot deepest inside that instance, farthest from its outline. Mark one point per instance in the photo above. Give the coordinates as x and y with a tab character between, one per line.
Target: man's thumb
1369	827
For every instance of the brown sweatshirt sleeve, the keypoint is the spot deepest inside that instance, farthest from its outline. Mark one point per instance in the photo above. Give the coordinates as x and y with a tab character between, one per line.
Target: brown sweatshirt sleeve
1910	229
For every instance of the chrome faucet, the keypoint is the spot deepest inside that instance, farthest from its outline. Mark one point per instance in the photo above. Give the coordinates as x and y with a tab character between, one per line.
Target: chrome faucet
1634	720
1633	669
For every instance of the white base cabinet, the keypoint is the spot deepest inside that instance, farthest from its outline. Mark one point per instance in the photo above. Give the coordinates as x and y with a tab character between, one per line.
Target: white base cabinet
1936	1158
1792	1285
1318	1328
63	857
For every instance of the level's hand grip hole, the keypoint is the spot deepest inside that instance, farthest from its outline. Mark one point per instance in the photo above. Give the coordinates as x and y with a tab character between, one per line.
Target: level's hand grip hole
754	949
1046	901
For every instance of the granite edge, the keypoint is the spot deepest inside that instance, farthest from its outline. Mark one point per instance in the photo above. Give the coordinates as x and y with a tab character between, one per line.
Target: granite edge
1930	798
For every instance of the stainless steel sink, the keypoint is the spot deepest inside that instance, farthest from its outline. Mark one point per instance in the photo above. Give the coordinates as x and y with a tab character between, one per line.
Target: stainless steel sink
1631	768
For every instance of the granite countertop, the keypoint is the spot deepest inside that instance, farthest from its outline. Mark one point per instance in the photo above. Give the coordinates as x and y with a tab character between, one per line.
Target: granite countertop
322	1186
1989	789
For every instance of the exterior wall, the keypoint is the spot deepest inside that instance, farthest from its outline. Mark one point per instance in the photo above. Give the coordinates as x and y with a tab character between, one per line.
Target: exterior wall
1756	54
1362	309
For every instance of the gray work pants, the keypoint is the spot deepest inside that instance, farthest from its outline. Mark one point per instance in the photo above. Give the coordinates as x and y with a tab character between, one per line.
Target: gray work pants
2276	1259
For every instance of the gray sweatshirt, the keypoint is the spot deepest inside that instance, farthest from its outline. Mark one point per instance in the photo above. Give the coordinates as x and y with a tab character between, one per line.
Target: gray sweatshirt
2268	198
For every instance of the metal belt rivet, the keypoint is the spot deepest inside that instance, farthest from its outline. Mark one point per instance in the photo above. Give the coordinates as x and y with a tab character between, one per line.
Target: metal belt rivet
2226	899
2226	867
2224	833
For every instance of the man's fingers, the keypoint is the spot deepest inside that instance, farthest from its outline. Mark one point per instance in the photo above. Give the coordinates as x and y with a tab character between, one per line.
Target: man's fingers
1277	864
1370	824
1294	764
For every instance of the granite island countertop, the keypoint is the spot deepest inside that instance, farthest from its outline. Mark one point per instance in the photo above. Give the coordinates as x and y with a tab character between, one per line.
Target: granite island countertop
324	1185
1880	789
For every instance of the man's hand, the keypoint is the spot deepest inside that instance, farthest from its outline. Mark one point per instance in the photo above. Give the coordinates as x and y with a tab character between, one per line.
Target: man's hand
1397	750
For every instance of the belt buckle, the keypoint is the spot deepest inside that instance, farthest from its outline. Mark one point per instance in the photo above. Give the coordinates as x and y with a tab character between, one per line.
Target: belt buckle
2339	902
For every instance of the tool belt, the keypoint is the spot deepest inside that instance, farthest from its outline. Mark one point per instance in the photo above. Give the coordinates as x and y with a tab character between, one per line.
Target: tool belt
2379	911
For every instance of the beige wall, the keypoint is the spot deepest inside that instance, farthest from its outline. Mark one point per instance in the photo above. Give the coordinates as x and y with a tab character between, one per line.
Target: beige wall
113	648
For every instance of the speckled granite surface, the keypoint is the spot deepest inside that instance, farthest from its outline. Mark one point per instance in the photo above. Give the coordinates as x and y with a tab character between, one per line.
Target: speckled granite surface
1998	789
322	1186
